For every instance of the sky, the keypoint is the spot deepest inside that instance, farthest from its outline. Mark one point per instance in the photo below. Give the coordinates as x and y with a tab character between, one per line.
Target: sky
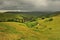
30	5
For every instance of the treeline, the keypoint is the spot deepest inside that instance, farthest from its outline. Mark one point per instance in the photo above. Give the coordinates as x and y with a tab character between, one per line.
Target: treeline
26	16
22	20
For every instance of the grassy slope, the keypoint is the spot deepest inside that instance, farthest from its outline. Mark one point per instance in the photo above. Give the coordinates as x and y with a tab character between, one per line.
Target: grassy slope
46	30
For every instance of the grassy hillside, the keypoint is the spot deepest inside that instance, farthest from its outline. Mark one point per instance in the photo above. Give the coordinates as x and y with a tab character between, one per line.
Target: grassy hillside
42	28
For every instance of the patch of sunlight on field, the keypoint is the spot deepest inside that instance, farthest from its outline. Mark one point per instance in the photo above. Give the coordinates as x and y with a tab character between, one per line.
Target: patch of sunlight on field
24	33
52	29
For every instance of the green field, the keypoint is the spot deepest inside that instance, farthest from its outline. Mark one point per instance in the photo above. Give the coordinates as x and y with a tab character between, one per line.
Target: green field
20	26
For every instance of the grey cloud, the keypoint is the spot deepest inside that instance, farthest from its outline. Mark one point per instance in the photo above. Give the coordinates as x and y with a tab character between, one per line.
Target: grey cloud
33	5
15	5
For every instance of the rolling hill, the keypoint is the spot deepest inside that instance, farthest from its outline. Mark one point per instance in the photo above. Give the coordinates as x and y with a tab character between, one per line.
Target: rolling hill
42	28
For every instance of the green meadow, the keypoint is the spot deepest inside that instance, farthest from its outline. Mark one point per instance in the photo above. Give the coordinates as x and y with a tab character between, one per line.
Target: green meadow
30	26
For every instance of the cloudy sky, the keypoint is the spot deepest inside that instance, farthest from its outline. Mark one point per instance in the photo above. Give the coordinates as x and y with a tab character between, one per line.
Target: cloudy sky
32	5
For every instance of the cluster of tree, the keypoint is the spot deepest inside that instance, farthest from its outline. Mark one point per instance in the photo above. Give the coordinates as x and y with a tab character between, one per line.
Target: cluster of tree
24	19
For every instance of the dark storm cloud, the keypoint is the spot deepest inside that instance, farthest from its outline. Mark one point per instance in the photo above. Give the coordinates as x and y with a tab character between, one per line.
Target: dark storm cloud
33	5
